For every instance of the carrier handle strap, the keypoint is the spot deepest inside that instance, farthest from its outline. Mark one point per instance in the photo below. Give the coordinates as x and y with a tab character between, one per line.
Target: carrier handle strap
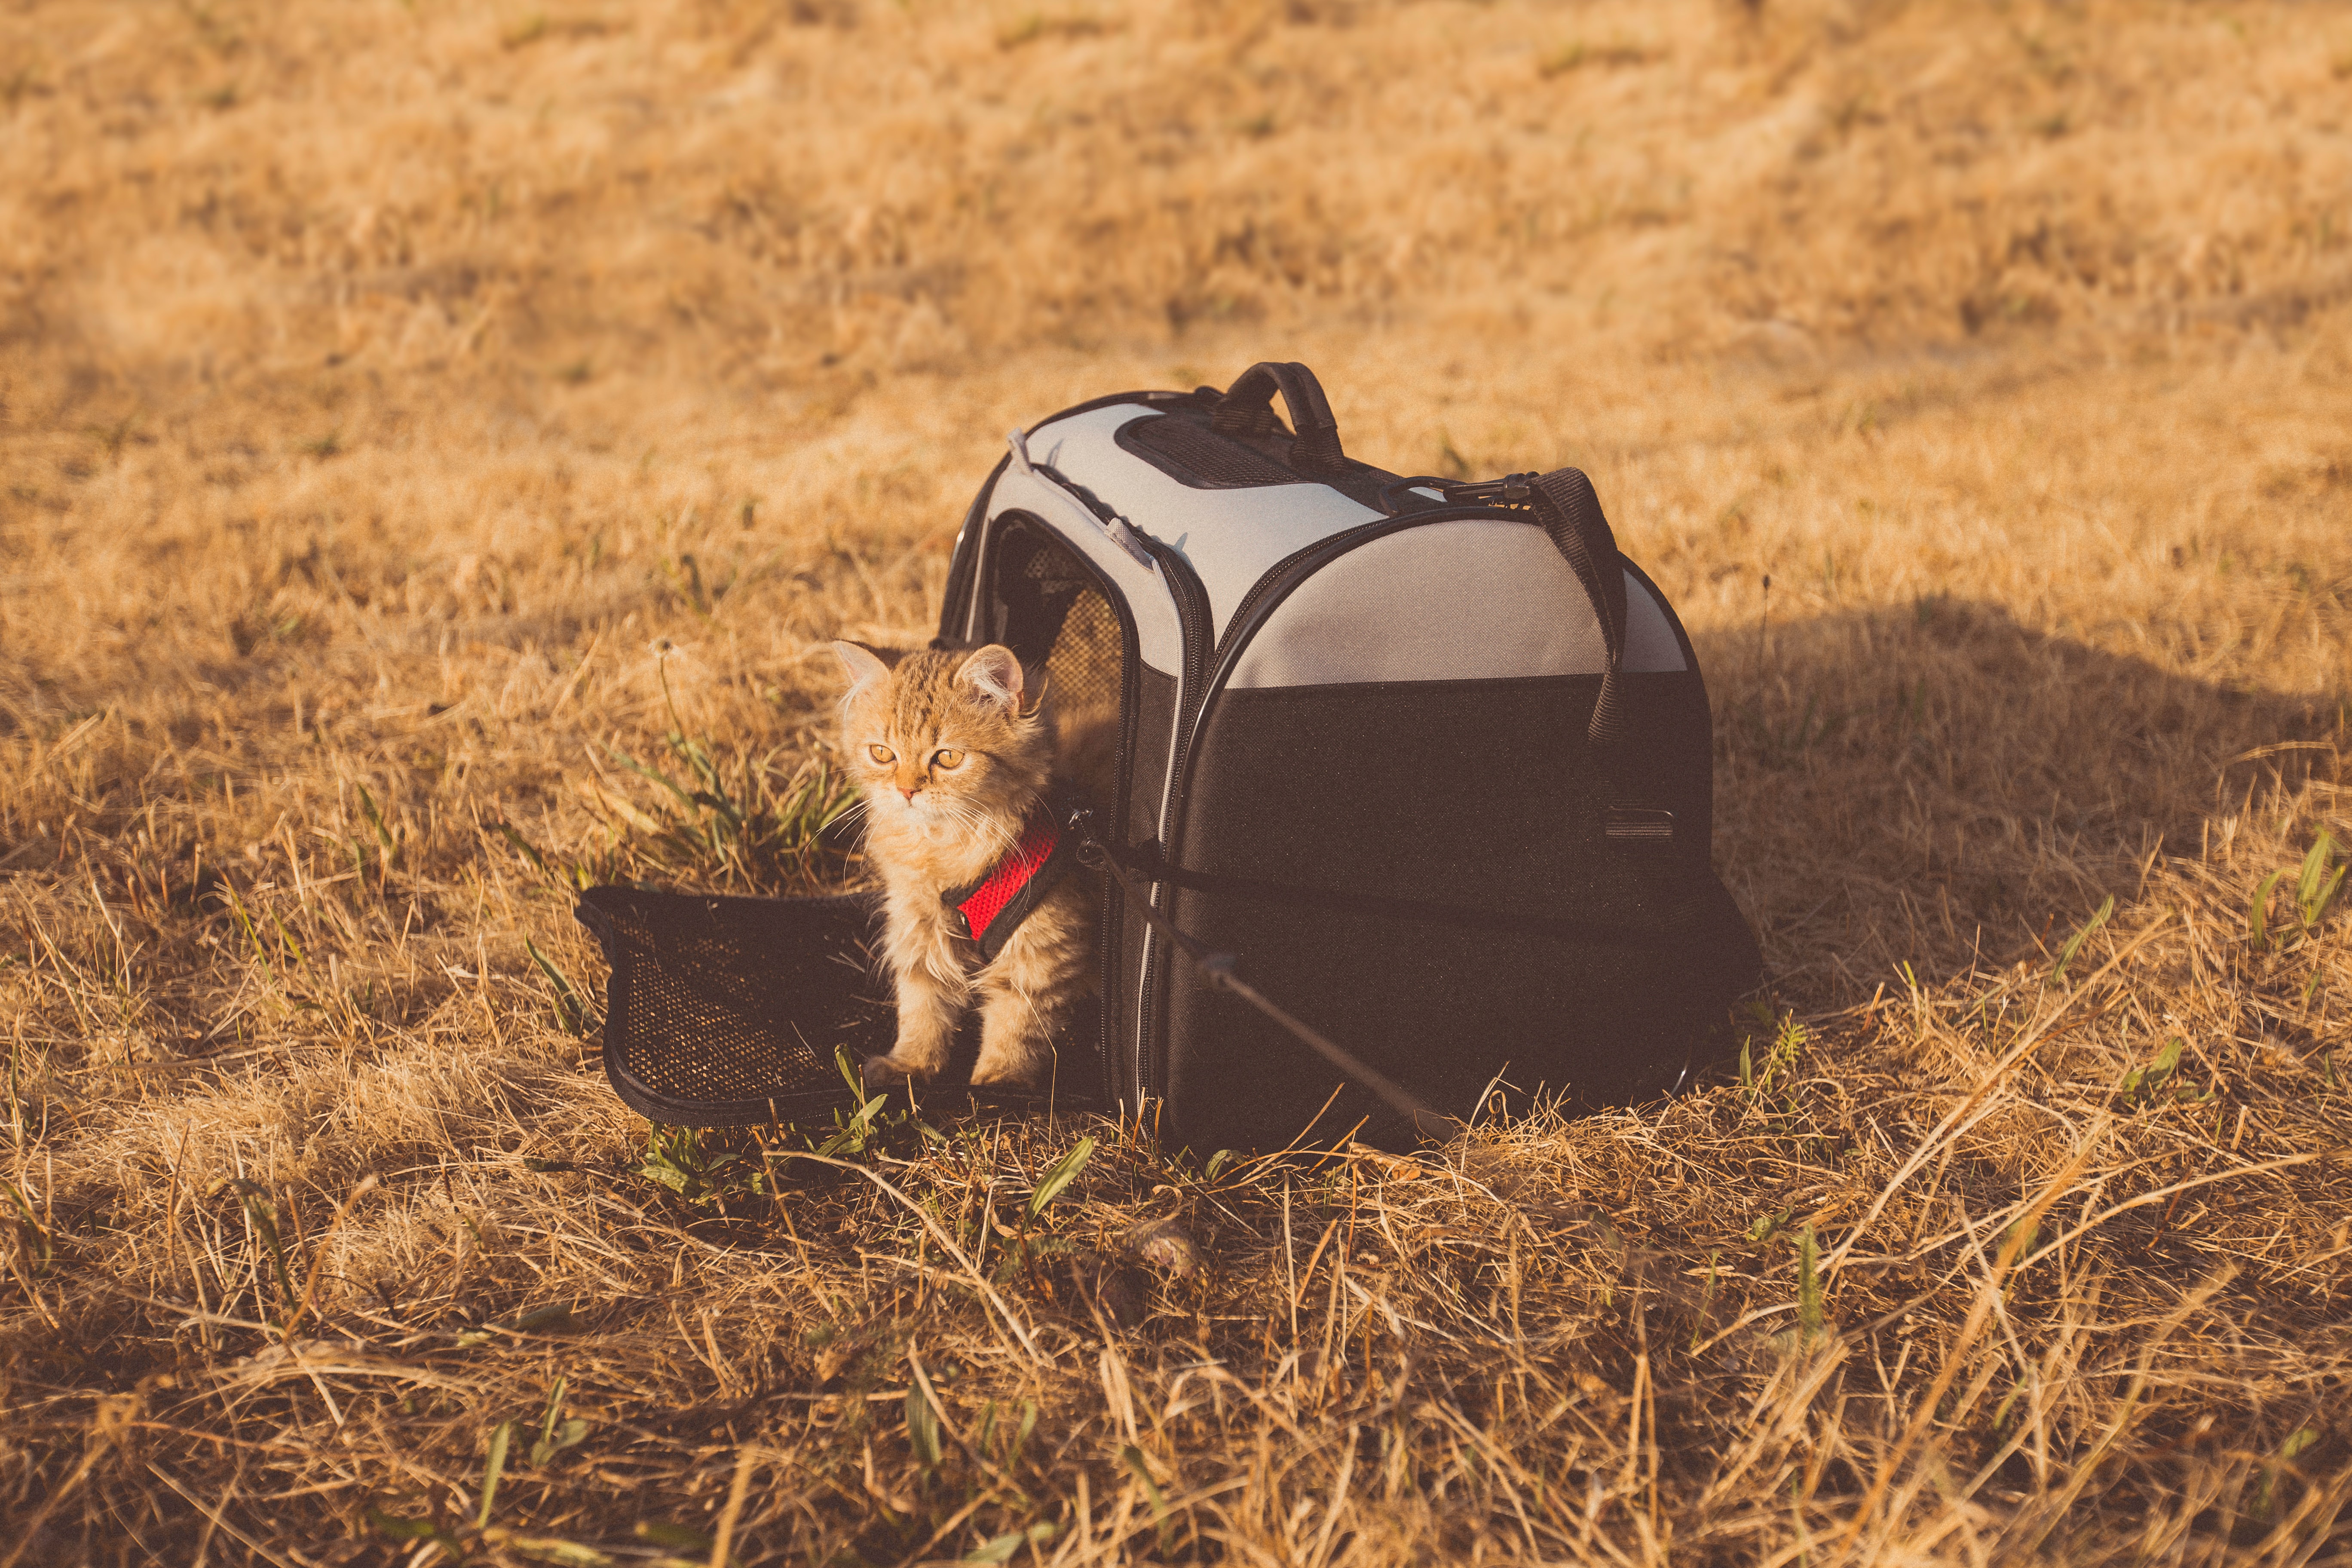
1247	408
1571	513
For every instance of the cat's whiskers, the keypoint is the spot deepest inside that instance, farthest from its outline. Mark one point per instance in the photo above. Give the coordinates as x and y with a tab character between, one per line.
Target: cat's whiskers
977	821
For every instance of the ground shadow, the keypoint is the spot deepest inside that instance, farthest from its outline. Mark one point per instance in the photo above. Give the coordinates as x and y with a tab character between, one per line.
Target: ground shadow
1941	783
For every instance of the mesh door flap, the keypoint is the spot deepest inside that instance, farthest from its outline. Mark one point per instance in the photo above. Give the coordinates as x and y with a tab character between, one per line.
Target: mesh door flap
725	1010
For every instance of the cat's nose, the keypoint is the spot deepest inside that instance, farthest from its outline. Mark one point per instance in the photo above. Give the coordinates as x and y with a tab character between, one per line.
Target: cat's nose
910	794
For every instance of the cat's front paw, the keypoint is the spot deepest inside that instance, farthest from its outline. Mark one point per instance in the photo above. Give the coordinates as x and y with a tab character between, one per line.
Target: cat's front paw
1021	1067
883	1072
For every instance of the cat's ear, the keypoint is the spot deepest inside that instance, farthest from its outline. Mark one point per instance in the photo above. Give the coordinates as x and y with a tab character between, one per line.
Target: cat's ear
995	675
861	664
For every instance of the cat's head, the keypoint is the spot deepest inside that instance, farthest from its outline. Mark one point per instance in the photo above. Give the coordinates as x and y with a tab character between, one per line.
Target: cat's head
942	740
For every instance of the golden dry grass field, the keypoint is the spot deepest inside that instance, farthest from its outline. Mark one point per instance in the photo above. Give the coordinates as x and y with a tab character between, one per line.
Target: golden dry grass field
394	394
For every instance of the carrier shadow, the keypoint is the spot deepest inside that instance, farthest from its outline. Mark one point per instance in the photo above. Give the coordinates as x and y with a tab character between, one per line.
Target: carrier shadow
1942	784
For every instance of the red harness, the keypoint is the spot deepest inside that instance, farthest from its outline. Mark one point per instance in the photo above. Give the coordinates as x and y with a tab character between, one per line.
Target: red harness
990	910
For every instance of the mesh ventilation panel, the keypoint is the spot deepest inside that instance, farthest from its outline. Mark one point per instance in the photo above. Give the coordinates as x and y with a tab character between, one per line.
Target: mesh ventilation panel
1048	609
1199	456
1084	666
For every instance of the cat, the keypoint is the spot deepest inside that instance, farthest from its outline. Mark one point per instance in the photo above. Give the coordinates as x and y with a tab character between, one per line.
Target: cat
955	756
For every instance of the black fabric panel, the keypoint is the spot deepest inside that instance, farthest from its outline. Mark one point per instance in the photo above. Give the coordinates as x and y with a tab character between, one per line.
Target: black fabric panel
1484	795
956	601
1442	1012
1480	793
1155	733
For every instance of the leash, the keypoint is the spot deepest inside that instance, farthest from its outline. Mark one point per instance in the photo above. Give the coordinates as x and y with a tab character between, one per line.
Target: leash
1218	969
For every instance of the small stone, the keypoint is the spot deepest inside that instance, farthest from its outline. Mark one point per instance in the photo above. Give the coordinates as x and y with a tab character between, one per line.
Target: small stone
1163	1244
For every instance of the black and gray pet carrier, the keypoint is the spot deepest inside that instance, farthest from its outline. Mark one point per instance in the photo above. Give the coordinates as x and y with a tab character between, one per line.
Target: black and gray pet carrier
1426	763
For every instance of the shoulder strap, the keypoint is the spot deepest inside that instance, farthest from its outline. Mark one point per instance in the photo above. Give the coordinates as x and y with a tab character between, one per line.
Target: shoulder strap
1571	513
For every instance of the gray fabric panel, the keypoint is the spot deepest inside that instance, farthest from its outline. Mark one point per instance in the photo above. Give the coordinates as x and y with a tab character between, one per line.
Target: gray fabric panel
1159	635
1229	537
1448	600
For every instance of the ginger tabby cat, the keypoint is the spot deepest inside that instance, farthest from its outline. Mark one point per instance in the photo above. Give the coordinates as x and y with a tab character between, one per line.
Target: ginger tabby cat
955	757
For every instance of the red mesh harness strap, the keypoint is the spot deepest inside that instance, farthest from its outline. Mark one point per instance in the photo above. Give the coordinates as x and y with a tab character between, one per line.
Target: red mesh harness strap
990	910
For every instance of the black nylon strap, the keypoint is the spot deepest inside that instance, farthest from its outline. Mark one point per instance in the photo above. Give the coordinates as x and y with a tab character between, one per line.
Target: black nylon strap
1217	968
1247	408
1572	515
1595	932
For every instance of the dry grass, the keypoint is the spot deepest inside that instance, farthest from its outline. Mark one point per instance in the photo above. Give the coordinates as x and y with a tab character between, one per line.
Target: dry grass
409	411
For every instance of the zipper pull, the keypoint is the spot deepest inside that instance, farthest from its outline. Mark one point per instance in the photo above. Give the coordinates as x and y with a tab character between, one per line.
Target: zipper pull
1121	534
1125	538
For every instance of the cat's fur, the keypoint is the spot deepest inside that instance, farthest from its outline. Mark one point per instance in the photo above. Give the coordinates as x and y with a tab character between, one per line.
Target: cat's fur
932	826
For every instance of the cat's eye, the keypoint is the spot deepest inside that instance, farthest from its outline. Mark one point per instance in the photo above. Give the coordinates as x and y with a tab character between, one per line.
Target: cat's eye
882	754
947	759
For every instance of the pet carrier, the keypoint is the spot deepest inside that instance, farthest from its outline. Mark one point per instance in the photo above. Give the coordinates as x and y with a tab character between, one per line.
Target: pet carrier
1428	762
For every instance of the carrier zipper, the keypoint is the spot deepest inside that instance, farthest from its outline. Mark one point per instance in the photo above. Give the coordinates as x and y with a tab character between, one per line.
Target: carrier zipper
1121	534
1192	616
